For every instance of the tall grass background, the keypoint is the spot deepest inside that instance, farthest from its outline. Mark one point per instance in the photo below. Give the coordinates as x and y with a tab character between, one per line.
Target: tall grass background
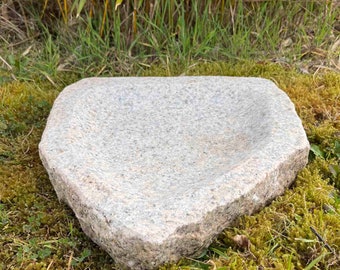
107	36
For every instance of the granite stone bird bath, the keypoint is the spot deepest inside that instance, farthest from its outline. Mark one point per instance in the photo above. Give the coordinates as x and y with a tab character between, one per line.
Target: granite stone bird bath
155	168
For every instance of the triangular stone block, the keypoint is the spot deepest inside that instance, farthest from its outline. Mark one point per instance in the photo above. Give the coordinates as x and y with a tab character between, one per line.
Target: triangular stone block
155	168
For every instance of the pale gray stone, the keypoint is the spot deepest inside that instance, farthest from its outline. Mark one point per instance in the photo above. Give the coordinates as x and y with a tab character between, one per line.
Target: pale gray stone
155	168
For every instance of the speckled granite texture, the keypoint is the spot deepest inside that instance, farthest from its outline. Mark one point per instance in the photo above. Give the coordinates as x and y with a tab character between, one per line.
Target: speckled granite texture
155	168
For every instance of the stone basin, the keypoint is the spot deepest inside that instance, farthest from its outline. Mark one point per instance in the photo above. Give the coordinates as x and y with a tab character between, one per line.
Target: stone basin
155	167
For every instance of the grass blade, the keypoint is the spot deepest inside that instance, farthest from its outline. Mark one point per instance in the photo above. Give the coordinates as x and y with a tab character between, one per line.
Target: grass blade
315	261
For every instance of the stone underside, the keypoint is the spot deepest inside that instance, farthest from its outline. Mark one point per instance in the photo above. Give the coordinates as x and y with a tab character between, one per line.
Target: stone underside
155	168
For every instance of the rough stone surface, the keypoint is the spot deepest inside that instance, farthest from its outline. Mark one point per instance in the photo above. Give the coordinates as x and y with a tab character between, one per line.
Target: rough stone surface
155	168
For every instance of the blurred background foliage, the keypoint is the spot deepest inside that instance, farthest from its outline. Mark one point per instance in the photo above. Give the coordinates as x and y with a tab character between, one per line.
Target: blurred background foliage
118	37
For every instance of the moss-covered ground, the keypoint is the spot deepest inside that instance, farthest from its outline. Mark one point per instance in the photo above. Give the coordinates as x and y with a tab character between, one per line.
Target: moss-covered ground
38	232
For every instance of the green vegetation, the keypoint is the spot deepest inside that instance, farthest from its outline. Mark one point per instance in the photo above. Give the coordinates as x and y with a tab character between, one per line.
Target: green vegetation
90	37
46	45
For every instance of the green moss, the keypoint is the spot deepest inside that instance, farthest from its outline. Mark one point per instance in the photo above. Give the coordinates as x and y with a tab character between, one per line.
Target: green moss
38	232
